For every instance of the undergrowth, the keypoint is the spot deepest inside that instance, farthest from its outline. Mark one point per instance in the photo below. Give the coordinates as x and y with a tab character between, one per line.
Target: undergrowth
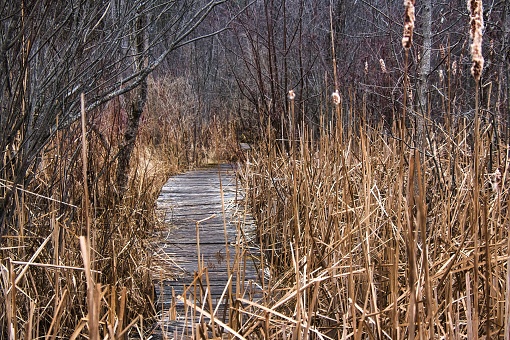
373	238
50	282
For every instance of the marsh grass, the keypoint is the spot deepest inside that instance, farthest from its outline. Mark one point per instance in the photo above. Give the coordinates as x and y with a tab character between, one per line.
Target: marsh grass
392	241
80	256
369	238
363	233
68	273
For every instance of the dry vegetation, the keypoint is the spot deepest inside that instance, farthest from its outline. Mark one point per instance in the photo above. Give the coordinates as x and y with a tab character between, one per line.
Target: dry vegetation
366	230
372	239
376	232
49	262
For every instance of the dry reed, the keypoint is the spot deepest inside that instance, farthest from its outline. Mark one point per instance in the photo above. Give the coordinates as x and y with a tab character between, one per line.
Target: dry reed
376	260
46	289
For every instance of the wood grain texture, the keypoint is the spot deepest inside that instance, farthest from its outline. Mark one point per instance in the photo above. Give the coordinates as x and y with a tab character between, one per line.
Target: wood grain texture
186	199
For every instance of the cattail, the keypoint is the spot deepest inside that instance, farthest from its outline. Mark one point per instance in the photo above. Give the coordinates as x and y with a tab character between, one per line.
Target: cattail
476	27
407	38
366	68
495	180
454	67
441	76
336	98
292	95
383	66
442	51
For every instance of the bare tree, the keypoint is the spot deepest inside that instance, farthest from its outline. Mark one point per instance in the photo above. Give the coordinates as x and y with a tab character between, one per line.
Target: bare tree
50	52
276	46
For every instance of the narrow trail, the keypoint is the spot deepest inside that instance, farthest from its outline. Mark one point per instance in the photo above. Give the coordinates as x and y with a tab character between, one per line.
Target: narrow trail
197	279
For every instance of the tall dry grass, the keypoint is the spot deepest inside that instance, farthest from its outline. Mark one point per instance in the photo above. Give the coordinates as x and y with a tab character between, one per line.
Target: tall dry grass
375	239
66	273
47	276
179	128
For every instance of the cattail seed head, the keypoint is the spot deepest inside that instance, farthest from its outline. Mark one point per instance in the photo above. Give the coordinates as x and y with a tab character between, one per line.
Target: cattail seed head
383	66
475	32
366	67
292	95
442	51
454	67
336	98
495	179
407	37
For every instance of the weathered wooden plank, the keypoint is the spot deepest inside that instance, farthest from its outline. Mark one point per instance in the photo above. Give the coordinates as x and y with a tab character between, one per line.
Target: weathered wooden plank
184	200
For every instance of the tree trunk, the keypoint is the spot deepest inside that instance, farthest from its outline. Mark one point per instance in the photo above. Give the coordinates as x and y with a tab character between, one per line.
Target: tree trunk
505	70
138	99
423	74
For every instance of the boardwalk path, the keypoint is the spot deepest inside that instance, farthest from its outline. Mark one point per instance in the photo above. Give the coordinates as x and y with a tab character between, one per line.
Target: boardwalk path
186	199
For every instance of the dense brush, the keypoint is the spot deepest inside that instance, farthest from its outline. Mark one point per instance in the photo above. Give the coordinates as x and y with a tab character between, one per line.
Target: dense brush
386	239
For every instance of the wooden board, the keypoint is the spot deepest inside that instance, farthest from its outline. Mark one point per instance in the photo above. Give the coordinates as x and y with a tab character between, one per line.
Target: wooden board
191	205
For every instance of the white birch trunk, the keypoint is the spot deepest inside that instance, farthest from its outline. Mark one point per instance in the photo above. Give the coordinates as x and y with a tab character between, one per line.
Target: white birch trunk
423	74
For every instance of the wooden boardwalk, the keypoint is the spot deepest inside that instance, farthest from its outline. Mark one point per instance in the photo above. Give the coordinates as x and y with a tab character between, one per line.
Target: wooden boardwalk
208	237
